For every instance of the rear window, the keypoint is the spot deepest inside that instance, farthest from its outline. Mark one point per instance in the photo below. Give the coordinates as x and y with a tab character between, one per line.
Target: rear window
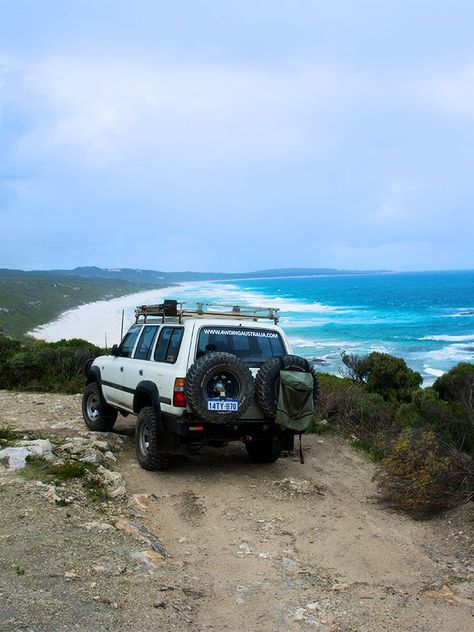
168	345
143	350
253	346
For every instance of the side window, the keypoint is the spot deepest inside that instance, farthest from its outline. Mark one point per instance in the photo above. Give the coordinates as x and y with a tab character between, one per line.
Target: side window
126	346
143	350
168	345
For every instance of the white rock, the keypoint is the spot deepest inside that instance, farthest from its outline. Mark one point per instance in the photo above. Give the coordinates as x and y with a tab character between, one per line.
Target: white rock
245	549
16	456
98	526
60	425
52	495
92	457
299	614
113	481
101	445
74	445
300	487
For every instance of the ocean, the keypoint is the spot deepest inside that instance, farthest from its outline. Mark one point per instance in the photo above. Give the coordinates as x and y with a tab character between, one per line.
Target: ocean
427	318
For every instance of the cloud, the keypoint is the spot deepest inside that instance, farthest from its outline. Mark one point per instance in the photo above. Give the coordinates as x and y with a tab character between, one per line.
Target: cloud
104	113
312	160
394	207
452	92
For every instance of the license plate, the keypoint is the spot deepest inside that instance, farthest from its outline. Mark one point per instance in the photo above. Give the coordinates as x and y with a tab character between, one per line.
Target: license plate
223	405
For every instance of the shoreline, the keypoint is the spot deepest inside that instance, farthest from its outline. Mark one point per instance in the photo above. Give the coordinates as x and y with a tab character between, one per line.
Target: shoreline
315	330
99	322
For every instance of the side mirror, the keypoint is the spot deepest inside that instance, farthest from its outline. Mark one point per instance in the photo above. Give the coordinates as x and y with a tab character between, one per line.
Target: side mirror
114	351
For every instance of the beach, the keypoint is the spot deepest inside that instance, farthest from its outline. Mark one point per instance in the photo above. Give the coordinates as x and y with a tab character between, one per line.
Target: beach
100	322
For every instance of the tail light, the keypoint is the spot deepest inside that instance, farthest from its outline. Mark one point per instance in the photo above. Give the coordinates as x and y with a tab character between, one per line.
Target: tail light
178	393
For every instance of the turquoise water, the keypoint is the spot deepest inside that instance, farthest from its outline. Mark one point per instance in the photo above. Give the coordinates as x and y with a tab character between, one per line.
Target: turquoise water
426	318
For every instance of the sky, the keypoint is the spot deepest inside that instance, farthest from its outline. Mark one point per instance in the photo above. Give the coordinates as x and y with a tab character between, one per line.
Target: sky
237	135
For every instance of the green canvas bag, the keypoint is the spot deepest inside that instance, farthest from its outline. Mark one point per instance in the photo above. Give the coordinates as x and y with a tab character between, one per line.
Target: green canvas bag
295	407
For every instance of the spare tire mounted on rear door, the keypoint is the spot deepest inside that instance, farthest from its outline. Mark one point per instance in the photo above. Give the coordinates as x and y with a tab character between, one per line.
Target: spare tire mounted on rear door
225	380
267	382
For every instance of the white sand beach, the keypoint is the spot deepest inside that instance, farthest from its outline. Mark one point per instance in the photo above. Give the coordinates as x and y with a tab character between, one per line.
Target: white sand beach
101	320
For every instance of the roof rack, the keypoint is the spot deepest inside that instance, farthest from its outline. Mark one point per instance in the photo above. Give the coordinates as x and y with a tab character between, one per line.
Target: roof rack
180	310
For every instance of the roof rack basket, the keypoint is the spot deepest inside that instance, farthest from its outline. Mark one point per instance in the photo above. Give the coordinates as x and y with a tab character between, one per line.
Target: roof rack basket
179	310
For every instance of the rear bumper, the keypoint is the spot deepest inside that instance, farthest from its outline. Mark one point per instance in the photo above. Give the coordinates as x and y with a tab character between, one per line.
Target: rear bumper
195	430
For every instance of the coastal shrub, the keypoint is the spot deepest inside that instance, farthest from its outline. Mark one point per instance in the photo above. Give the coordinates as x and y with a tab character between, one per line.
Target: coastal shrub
457	387
383	374
445	418
422	475
357	367
8	347
41	366
347	406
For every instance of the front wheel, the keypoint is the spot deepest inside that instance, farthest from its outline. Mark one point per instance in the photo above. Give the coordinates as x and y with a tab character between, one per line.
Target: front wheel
98	416
147	441
264	450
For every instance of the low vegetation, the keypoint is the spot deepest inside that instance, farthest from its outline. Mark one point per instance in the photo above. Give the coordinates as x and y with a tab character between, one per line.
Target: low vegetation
423	439
36	365
41	469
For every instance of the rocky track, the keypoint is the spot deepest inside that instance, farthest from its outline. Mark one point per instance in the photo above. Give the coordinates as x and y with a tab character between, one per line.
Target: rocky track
219	543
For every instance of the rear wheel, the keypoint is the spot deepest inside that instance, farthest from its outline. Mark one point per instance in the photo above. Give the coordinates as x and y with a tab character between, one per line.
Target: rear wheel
264	450
98	416
148	436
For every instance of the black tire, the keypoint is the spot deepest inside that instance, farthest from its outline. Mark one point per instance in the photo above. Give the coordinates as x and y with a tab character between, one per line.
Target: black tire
97	415
213	369
264	450
147	441
267	382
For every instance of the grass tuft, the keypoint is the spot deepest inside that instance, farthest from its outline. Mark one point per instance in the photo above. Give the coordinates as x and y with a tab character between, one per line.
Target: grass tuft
38	468
7	436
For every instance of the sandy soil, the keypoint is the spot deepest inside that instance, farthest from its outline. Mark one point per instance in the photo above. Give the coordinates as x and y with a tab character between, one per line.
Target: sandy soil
247	547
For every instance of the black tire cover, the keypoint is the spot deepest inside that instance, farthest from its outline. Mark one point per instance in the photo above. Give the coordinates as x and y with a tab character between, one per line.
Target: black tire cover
209	367
268	378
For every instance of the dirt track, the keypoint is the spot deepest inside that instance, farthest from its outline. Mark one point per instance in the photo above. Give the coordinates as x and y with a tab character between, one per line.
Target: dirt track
257	548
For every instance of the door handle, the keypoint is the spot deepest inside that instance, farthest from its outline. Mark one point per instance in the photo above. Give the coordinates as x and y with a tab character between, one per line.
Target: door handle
121	368
140	372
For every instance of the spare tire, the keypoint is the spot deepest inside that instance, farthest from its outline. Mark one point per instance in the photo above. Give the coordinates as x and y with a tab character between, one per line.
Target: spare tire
218	375
267	382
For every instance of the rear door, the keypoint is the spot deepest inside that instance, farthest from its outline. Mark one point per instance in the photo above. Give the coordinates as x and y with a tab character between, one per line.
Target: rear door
253	345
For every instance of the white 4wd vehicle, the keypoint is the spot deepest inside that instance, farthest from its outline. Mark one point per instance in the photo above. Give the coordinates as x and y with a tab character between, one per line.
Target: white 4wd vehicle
195	374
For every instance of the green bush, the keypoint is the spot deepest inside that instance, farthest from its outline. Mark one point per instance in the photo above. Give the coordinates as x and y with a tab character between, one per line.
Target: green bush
349	407
422	475
384	374
457	387
41	366
428	410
